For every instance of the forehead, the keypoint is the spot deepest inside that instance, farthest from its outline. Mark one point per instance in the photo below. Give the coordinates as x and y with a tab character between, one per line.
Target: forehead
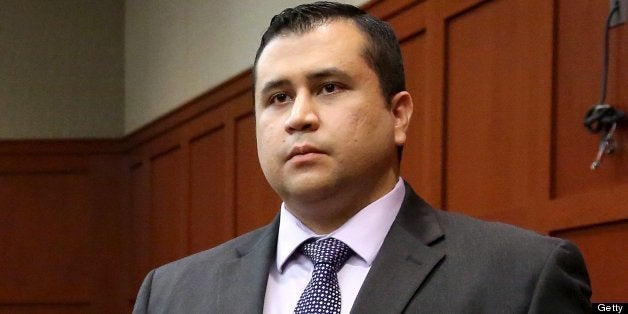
337	43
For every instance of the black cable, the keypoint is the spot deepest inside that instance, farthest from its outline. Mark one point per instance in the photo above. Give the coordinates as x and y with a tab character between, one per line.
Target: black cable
603	116
606	52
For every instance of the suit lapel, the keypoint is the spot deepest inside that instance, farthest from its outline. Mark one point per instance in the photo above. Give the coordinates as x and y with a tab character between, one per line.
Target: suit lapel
245	277
404	260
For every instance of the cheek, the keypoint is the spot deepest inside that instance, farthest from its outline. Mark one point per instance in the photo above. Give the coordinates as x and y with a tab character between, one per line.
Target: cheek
369	124
264	146
269	124
262	138
269	142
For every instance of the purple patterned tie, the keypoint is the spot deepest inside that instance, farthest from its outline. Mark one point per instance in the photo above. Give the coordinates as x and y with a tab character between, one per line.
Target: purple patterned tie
322	293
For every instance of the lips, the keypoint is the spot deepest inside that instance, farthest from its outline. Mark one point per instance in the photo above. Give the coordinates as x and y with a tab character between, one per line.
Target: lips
305	149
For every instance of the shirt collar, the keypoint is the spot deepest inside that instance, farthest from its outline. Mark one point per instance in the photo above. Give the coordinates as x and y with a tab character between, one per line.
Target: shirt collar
364	233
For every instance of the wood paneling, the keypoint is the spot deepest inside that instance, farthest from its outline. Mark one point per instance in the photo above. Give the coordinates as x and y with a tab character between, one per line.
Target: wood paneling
578	75
209	222
388	8
46	237
497	92
168	215
183	191
256	202
416	150
603	249
500	88
60	231
55	308
138	200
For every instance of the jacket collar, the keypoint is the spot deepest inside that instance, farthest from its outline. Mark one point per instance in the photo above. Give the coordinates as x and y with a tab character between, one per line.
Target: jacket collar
405	260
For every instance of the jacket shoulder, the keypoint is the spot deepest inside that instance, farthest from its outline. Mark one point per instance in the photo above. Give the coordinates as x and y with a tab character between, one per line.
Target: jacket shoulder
224	252
471	233
533	271
200	281
493	265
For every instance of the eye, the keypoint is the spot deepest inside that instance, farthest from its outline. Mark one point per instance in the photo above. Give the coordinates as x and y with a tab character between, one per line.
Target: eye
329	88
278	98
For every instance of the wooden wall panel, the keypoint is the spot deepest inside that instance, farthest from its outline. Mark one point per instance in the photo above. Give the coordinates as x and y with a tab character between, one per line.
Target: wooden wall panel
386	9
603	249
46	237
71	308
256	202
578	75
209	220
497	75
418	146
138	200
60	232
168	215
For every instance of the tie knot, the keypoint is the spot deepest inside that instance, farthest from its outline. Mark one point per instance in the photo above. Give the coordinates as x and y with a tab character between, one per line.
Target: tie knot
328	251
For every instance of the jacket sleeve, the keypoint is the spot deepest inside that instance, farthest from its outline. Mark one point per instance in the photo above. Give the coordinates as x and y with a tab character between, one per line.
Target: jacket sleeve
143	296
563	285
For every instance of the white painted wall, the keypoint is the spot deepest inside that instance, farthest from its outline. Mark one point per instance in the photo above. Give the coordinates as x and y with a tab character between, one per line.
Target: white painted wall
61	69
105	68
176	50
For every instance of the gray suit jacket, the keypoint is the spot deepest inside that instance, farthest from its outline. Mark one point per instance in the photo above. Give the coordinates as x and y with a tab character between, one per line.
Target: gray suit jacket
431	261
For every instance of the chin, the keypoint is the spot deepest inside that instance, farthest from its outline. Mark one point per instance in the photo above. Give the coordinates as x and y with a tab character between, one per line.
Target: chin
307	189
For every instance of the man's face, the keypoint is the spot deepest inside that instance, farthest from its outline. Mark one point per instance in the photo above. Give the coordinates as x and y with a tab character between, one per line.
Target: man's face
323	125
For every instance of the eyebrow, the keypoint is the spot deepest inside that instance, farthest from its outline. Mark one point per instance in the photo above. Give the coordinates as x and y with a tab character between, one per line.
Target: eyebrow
329	72
273	84
317	75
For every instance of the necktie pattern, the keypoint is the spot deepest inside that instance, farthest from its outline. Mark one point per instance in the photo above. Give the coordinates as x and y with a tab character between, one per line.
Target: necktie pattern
322	293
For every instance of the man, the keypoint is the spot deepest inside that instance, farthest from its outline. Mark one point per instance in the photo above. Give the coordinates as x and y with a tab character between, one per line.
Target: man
332	114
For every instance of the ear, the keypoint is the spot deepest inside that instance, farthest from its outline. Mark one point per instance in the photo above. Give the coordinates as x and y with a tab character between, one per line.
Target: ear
401	109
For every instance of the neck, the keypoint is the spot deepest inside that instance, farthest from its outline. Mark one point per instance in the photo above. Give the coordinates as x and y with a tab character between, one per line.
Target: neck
329	213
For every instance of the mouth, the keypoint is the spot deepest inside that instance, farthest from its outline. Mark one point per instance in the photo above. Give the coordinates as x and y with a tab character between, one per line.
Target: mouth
303	150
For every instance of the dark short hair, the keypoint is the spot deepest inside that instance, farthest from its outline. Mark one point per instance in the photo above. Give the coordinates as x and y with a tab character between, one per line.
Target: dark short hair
381	52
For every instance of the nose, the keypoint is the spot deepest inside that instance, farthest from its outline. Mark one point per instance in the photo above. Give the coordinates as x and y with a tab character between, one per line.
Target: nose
303	116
